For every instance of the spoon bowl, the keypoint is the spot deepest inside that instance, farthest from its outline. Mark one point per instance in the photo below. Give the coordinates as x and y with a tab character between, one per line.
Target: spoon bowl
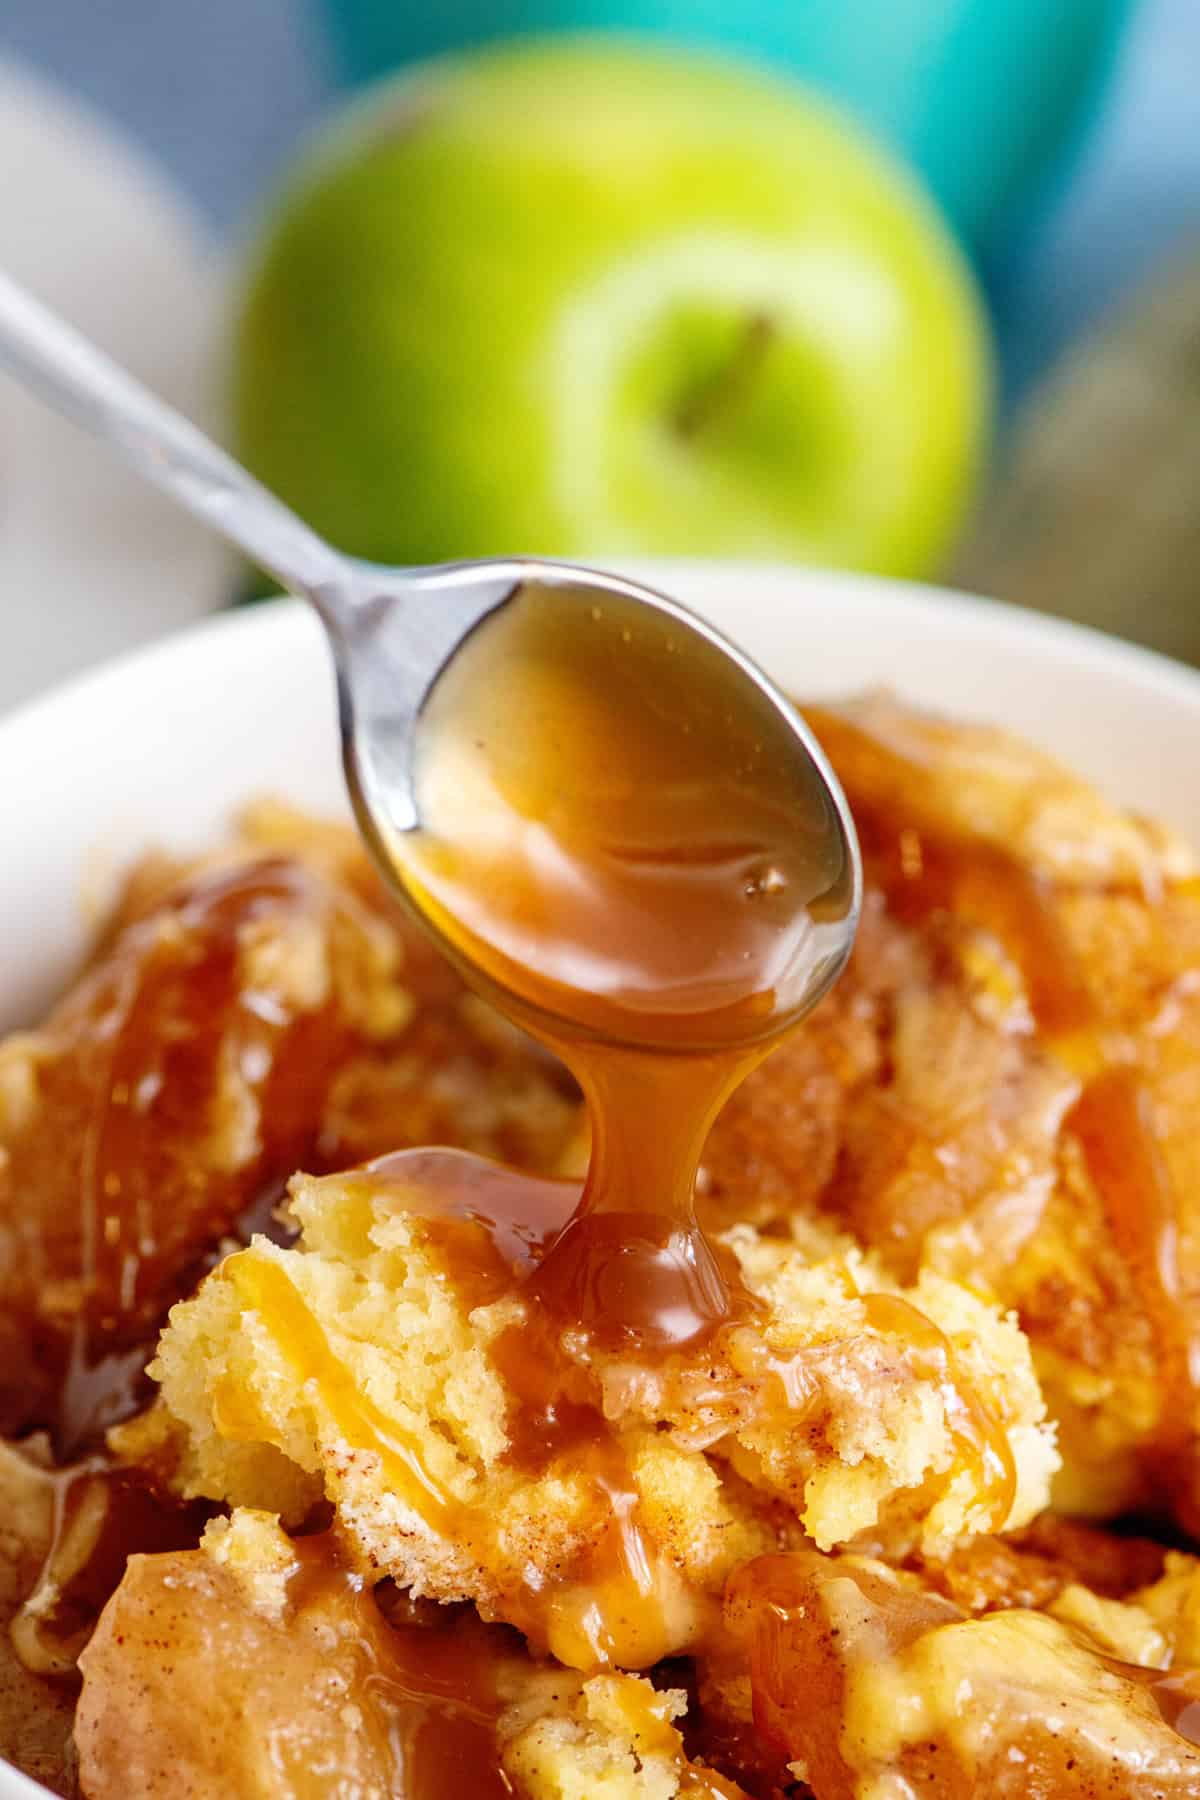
604	810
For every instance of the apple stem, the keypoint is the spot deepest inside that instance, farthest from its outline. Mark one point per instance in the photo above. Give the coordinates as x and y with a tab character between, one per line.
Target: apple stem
698	410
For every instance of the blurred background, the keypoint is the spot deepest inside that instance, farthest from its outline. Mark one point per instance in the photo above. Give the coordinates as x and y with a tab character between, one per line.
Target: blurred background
909	286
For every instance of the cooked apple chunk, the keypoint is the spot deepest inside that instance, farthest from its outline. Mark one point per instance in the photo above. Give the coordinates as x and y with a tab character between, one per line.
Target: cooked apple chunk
257	1666
867	1683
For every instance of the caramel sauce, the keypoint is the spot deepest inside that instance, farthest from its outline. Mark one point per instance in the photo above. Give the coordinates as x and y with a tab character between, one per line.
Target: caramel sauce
646	875
609	840
431	1680
124	1162
492	1223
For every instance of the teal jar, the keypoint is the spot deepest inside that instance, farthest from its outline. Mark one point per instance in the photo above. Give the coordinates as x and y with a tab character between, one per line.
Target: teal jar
982	96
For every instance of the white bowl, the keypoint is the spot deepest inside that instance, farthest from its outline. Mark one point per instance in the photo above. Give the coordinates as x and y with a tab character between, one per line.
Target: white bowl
162	745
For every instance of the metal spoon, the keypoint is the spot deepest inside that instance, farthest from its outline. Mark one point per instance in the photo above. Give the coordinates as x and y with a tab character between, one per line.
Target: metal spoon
395	632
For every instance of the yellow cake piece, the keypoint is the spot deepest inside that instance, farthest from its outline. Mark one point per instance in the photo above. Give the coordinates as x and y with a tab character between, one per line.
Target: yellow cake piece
352	1368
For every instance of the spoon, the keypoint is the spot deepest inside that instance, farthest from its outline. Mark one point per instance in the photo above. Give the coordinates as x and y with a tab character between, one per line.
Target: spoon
609	816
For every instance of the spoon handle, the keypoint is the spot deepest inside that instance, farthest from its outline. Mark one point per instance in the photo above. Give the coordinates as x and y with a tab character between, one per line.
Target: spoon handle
83	384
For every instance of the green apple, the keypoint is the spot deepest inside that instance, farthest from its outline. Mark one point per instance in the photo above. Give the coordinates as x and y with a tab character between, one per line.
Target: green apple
585	298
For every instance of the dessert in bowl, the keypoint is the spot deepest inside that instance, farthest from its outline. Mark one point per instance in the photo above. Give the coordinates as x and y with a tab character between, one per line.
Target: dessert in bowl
368	1525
